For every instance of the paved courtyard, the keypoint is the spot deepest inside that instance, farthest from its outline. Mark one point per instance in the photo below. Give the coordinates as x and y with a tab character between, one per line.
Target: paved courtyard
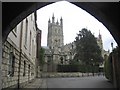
79	82
71	82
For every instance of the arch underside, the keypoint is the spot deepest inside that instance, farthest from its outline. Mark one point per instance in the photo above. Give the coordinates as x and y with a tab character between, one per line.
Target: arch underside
107	13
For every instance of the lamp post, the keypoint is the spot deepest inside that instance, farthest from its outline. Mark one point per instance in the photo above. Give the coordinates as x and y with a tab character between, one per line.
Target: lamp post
52	51
92	67
113	66
112	46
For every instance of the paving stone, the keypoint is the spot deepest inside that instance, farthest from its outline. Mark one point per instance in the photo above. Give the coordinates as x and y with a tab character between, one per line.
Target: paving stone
37	83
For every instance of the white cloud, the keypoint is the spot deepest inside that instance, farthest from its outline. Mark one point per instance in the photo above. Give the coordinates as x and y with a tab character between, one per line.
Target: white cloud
74	19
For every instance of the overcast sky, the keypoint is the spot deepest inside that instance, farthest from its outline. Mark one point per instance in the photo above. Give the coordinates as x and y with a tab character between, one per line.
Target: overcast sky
74	19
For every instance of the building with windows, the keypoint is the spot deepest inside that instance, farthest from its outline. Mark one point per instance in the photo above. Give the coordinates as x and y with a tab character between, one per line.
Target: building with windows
19	54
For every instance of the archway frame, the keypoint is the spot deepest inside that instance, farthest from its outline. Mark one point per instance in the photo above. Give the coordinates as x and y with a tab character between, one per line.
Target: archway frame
99	10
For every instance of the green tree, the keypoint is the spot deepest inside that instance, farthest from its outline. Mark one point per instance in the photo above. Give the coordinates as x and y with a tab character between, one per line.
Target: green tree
87	50
41	55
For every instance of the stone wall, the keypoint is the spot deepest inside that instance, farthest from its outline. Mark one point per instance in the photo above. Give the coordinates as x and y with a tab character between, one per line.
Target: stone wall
12	81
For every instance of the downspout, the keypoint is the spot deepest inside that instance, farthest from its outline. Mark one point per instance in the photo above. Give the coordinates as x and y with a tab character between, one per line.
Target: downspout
20	54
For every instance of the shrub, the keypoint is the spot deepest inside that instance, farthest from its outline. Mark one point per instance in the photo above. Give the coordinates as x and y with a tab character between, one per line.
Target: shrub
108	68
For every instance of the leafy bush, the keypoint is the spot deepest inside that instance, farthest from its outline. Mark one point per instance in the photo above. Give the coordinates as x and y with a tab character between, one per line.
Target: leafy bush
88	68
67	68
41	55
77	68
108	68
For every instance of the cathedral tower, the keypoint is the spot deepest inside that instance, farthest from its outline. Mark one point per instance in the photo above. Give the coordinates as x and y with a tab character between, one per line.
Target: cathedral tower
55	40
100	43
55	33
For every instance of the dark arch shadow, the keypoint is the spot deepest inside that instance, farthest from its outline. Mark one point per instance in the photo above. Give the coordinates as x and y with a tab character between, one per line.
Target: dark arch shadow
107	13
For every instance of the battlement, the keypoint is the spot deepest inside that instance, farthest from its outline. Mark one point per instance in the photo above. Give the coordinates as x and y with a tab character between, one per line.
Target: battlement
57	22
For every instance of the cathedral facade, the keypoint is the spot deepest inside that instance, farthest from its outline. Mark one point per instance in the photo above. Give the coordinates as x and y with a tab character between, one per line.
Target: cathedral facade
55	40
58	53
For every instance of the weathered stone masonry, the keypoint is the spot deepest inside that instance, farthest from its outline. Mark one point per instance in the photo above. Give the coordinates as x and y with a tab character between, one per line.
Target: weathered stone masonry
12	81
19	54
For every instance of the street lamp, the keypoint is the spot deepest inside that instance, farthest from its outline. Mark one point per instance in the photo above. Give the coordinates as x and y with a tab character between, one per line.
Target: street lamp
52	62
113	64
112	45
92	67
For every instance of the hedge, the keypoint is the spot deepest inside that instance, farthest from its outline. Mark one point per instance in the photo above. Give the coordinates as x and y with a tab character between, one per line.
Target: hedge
108	68
77	68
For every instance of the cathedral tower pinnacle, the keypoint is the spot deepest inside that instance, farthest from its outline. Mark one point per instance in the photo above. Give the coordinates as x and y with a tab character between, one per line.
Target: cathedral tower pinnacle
55	38
61	22
57	22
53	18
100	37
49	20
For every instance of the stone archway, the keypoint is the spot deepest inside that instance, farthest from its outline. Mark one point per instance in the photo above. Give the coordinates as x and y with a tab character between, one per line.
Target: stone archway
107	13
100	11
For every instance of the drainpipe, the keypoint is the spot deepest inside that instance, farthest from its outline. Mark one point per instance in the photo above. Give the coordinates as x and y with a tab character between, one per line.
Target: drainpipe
20	54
